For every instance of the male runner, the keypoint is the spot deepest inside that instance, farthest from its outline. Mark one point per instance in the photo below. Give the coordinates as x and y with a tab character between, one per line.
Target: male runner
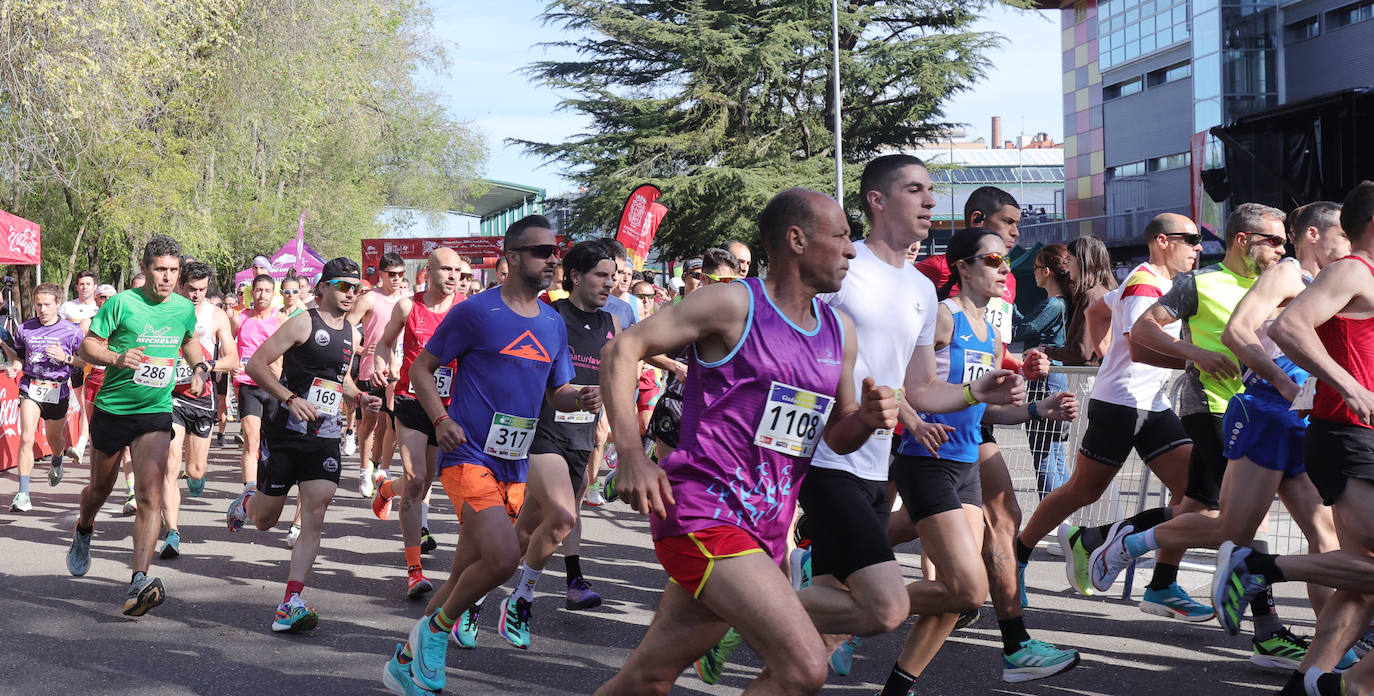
418	317
373	311
512	353
79	311
1264	435
1129	407
564	440
301	440
94	378
46	351
742	255
620	302
1204	300
137	335
501	271
251	329
193	414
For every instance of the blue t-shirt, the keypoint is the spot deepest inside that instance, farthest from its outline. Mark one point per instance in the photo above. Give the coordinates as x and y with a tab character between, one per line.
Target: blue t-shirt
621	309
505	363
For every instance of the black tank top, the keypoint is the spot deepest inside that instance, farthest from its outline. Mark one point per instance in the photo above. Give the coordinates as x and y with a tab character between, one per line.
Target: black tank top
314	370
588	332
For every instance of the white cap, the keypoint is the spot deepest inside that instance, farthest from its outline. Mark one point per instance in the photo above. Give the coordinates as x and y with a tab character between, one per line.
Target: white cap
262	261
676	284
106	290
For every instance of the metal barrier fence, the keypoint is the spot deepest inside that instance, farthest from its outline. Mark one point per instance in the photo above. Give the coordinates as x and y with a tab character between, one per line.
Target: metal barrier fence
1134	489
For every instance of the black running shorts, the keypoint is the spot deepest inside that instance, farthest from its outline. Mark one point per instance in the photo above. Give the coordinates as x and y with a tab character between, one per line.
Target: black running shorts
930	485
1208	463
255	401
846	521
111	433
1336	453
575	458
48	412
281	466
411	414
197	421
1114	429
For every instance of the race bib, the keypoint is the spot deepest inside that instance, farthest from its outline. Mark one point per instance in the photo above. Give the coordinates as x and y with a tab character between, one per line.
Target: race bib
184	372
443	381
793	420
510	436
999	315
43	391
976	364
326	395
154	372
886	433
574	416
1306	395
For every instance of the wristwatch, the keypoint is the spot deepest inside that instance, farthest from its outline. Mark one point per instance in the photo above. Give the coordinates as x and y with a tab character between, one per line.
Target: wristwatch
202	365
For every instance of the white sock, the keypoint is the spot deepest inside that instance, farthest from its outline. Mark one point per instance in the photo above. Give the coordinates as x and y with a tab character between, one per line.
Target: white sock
524	584
80	444
424	514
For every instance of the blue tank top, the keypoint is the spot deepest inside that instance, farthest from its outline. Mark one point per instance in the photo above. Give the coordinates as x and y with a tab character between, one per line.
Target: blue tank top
964	360
1259	387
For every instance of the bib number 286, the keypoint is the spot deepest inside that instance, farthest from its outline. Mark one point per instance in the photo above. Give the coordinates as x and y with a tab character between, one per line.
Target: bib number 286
154	372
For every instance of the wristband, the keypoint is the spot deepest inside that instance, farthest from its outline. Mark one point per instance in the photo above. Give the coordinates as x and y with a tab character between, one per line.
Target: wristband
968	395
1030	406
293	397
439	420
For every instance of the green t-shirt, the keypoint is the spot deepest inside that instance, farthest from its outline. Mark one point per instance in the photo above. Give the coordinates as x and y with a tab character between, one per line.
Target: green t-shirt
130	320
1204	300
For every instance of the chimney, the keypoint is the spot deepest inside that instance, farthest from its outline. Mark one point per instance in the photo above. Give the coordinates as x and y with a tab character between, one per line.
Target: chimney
996	132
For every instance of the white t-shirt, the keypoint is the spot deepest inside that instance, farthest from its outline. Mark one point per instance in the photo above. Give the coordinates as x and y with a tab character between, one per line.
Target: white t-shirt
893	311
76	311
1120	380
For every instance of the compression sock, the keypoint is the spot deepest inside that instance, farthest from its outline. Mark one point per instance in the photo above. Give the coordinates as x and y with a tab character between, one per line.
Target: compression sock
1266	565
898	683
293	587
1165	575
412	557
524	584
573	565
440	622
424	514
23	484
1140	544
56	460
1023	552
1013	634
1262	610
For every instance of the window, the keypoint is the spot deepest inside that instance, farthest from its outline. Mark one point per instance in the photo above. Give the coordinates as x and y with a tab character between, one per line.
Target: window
1159	164
1172	73
1120	170
1301	31
1122	89
1350	14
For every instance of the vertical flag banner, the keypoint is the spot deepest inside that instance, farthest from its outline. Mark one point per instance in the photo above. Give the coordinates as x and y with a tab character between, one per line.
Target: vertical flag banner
639	222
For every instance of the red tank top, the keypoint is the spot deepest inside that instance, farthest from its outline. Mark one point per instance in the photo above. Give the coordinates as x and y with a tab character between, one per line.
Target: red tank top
1350	342
420	326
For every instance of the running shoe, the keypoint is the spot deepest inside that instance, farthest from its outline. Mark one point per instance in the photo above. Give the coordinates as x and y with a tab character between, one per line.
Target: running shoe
171	545
292	536
350	445
1021	584
710	666
430	648
381	505
219	440
581	596
238	510
799	566
1174	603
21	502
609	492
1054	549
427	541
1108	560
365	483
295	616
1036	660
968	618
465	630
79	555
1077	559
395	676
195	486
131	504
416	582
514	625
595	497
842	660
1319	683
1281	650
55	473
238	438
144	594
1233	586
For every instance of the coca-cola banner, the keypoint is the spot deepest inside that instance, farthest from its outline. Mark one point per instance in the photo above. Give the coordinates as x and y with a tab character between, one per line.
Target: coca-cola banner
22	246
639	222
9	421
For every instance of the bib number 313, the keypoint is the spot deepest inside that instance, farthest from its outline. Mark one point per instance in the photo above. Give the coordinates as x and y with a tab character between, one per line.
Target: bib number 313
510	436
793	420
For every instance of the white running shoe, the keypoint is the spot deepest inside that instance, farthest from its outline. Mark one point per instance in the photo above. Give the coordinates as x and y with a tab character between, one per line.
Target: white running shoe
594	496
365	484
293	536
350	445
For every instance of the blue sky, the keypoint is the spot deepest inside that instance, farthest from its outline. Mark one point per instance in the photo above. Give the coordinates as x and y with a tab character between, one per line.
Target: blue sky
491	42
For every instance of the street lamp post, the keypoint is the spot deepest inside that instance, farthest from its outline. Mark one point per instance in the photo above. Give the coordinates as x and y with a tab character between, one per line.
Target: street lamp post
835	70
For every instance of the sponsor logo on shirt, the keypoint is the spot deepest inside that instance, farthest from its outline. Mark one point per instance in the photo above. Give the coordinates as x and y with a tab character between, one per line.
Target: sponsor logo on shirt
321	337
527	347
158	337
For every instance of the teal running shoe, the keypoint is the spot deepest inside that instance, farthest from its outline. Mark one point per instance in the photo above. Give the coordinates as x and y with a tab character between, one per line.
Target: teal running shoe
171	545
430	648
395	676
1076	559
144	594
1021	584
842	660
465	631
1281	650
195	486
79	555
514	625
1036	660
1174	603
1233	586
295	616
1348	660
799	567
710	665
55	473
238	510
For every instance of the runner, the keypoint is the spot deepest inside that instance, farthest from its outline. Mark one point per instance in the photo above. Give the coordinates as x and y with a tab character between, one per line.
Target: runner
1264	436
1128	407
562	444
301	444
137	335
226	303
940	486
254	325
46	351
373	311
94	378
1327	331
511	351
193	414
292	301
79	311
419	317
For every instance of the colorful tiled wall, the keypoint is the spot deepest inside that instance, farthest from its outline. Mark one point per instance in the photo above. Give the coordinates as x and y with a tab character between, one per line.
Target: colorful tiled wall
1084	182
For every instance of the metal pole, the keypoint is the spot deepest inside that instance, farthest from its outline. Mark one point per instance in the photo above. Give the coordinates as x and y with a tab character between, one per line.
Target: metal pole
835	71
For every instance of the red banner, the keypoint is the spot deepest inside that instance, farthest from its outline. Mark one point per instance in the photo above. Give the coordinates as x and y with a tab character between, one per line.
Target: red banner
639	222
9	421
475	248
22	246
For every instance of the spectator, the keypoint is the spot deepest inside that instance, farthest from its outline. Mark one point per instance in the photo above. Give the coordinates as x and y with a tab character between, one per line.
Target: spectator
1045	326
1092	278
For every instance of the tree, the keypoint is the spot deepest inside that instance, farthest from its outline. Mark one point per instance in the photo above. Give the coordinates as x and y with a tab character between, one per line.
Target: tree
722	103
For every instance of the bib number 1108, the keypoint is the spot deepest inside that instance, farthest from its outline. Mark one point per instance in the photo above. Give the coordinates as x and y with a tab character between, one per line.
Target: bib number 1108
793	420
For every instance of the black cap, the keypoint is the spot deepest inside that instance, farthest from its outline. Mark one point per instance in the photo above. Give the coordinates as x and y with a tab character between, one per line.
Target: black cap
342	267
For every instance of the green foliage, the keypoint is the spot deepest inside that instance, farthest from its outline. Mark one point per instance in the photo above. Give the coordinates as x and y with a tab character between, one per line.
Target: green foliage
217	122
722	103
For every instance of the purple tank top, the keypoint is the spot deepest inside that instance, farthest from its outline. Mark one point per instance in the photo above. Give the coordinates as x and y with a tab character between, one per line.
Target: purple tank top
750	424
33	340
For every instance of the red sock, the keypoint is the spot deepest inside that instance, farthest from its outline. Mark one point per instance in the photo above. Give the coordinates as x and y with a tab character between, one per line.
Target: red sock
292	587
386	490
412	557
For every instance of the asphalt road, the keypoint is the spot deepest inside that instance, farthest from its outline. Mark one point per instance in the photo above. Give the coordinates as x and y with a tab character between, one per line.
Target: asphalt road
65	635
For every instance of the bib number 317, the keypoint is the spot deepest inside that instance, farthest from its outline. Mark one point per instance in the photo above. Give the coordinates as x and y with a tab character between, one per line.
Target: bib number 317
793	420
509	437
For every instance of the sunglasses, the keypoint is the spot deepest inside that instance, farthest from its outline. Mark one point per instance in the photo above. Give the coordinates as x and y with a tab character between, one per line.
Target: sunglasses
396	274
538	251
694	275
645	296
465	276
1273	240
991	259
721	278
290	292
1191	239
344	285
